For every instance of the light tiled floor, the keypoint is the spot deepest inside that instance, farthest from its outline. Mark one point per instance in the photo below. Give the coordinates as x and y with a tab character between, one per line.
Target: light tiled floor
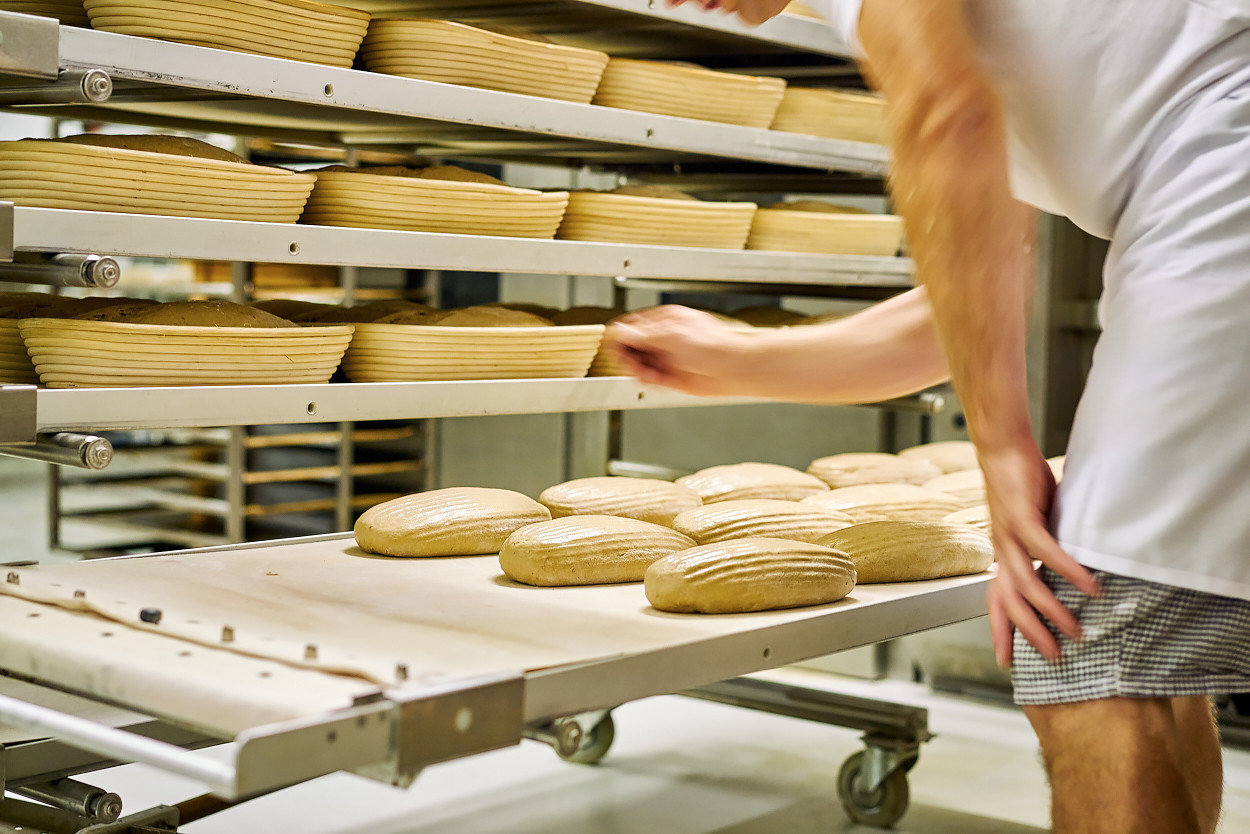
679	766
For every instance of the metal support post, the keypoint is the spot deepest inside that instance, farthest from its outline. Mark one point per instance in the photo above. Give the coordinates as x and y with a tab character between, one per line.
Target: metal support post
236	490
75	797
93	271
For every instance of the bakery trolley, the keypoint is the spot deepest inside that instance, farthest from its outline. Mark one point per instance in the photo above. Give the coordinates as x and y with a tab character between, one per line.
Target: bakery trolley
385	666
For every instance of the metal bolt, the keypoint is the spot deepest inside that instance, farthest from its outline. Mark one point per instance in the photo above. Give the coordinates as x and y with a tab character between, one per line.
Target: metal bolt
13	578
401	672
102	272
150	615
106	807
98	454
227	634
310	651
80	594
97	86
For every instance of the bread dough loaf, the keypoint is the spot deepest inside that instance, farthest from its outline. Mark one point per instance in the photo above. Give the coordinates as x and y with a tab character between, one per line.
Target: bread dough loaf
904	551
752	480
427	315
947	455
587	550
855	468
764	315
459	521
655	192
967	487
978	517
526	307
172	145
756	517
586	315
492	317
743	575
293	309
452	173
190	314
645	499
875	502
818	207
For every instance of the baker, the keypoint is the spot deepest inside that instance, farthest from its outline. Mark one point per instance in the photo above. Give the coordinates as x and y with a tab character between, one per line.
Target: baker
1132	118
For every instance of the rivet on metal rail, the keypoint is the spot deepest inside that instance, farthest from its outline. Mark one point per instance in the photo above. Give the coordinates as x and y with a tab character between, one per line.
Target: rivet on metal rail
151	615
80	594
310	651
401	671
13	578
227	634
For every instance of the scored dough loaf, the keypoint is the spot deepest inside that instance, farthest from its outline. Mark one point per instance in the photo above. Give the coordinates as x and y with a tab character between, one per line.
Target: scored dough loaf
172	145
854	468
978	517
875	502
759	517
587	550
947	455
905	551
752	480
188	314
458	521
642	498
967	486
759	574
484	316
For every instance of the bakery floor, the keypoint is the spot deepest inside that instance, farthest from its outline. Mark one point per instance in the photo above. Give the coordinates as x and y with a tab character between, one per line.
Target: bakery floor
679	766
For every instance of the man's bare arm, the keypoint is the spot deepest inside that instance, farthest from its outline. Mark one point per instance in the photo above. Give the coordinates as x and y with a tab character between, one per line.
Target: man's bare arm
973	248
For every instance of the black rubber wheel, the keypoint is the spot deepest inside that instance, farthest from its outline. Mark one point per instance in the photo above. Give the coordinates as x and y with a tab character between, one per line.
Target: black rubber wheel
596	744
880	808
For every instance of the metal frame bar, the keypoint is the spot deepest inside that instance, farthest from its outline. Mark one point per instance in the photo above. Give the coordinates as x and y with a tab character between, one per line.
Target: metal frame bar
97	232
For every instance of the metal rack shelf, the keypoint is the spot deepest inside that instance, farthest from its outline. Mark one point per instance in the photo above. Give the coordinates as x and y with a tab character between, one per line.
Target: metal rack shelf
63	230
169	84
103	409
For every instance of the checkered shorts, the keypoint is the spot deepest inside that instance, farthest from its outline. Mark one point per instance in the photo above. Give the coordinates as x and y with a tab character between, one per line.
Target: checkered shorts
1142	640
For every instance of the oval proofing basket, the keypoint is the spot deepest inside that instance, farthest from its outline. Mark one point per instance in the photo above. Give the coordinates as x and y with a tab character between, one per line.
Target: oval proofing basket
97	354
824	233
832	114
625	218
48	174
406	352
453	53
424	205
15	365
690	92
298	30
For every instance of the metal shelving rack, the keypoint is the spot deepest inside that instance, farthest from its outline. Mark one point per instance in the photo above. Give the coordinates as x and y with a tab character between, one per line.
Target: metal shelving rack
77	73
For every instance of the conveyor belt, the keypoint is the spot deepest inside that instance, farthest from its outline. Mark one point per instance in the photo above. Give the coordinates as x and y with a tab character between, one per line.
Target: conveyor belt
304	630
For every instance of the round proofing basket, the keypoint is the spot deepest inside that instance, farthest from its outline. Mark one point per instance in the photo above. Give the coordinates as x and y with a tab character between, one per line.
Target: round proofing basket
47	174
97	354
15	365
690	92
406	352
823	233
856	117
297	30
443	206
453	53
624	218
71	14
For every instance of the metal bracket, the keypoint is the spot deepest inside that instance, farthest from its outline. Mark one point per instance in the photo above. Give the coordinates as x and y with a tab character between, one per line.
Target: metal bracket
18	414
29	45
457	720
64	270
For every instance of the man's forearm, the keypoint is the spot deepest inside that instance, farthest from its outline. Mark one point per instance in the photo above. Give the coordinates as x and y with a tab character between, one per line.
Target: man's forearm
888	350
971	240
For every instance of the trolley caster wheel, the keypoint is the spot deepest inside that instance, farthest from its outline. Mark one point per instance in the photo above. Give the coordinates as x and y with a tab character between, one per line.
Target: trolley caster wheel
880	807
594	745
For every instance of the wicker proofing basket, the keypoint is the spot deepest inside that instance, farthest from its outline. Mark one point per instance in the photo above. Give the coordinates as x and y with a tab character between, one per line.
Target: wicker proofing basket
406	352
690	92
411	204
439	50
625	218
856	117
69	13
15	365
298	30
62	175
96	354
786	230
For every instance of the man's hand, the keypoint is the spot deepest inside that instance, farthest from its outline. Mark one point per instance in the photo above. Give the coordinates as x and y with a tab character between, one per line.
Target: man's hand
753	12
1021	487
686	349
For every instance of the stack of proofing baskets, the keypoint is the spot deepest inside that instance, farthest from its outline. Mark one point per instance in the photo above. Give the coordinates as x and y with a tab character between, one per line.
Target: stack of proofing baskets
88	177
